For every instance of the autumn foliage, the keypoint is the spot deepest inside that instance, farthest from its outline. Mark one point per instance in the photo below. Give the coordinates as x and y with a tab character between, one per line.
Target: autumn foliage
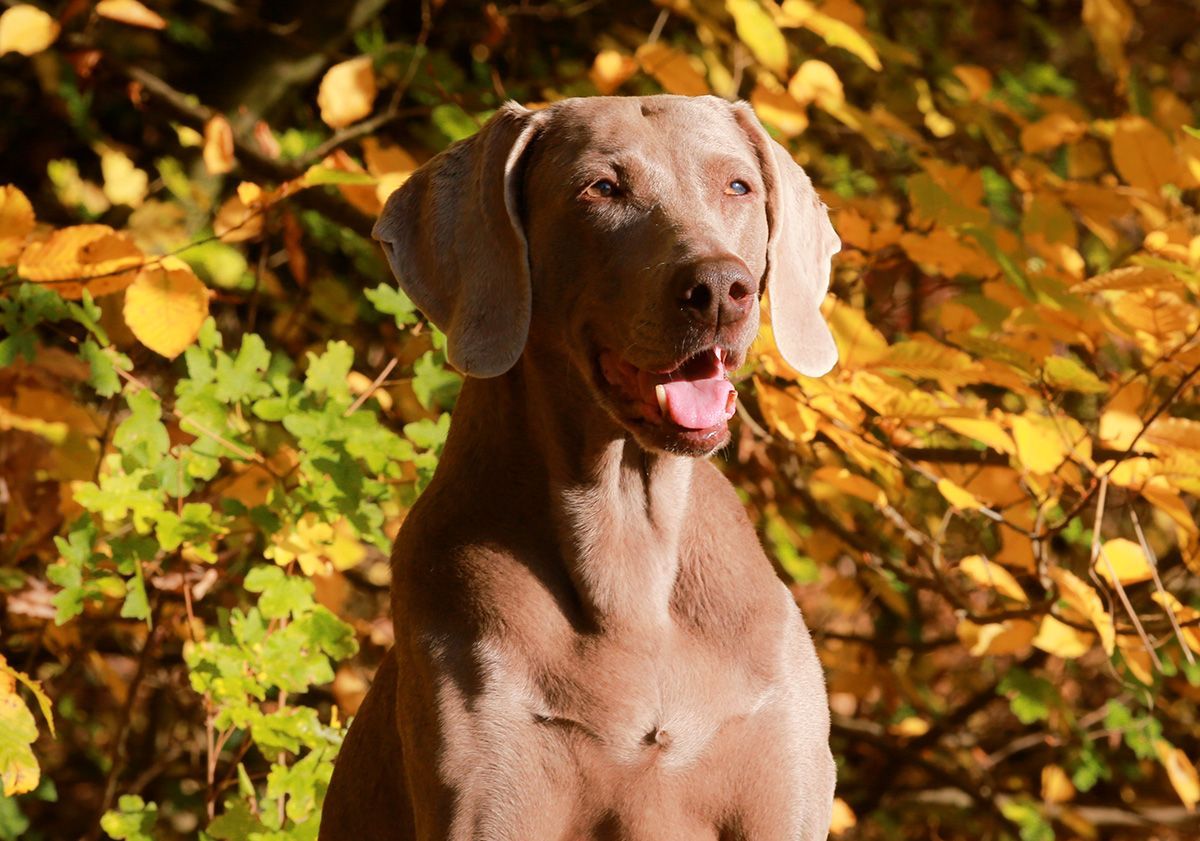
216	407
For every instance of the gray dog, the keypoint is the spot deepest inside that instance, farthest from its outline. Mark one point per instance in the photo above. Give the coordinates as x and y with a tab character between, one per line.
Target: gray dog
590	642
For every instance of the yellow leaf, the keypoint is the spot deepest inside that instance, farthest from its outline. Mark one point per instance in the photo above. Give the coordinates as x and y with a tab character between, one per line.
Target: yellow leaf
784	412
1012	636
1126	558
130	12
316	546
1056	785
850	484
909	726
218	145
817	82
124	183
835	33
843	817
859	343
19	772
757	30
94	257
1061	640
779	109
1144	156
1110	22
1181	772
1184	614
166	307
611	69
347	92
993	576
26	30
16	223
1040	445
978	429
1084	599
672	69
957	496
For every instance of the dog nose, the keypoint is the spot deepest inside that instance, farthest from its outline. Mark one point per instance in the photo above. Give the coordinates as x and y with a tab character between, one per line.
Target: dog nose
716	291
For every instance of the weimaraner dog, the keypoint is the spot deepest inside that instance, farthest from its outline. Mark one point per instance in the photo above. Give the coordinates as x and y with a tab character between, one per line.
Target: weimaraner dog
590	643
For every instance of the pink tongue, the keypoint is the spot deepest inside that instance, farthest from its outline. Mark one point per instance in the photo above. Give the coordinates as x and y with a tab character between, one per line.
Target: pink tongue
699	404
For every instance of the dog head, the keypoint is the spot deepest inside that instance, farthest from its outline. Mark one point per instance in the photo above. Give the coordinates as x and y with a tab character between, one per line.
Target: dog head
627	238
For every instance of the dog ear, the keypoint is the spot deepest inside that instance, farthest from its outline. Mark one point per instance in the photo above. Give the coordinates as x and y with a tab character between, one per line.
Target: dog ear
800	245
452	234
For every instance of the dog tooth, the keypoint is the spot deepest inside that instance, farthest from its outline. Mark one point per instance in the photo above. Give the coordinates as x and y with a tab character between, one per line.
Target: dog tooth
660	392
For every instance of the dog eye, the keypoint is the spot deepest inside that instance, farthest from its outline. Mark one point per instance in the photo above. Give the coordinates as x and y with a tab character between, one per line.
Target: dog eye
737	187
602	189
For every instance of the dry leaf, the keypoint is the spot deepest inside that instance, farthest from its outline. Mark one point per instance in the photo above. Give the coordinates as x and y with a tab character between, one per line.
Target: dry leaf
957	496
1056	785
218	145
130	12
1012	636
843	818
779	109
993	576
1181	772
166	307
1110	22
611	69
238	221
1084	599
16	223
124	183
1144	155
94	257
26	30
1061	640
347	92
672	69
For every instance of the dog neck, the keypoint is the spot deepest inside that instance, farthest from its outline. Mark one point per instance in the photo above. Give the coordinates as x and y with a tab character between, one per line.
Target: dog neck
617	510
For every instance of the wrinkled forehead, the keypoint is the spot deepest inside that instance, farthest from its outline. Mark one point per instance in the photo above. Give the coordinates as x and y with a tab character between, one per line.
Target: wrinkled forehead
675	131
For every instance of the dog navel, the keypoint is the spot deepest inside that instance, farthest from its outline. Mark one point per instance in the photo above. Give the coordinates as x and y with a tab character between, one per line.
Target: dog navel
658	737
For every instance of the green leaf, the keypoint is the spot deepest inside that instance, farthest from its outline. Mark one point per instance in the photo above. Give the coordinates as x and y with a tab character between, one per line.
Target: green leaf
391	300
142	438
1065	373
452	121
327	373
435	385
240	378
132	820
103	362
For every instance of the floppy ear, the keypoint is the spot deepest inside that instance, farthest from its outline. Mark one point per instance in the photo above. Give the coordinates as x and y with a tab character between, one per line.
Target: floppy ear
800	245
452	234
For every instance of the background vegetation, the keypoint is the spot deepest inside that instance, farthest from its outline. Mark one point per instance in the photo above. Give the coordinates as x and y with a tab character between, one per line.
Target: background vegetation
215	408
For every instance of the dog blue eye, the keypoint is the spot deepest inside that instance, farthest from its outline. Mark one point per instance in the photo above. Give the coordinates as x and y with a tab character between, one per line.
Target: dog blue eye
737	187
602	189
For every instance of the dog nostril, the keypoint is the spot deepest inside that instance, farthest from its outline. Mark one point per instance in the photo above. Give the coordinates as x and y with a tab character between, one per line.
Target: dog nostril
699	297
738	291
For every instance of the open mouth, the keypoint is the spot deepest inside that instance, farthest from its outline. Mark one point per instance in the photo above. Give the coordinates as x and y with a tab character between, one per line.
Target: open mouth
696	395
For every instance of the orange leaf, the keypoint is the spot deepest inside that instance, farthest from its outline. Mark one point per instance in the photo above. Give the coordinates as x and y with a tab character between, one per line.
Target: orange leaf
1144	156
130	12
347	92
672	69
94	257
16	223
218	145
